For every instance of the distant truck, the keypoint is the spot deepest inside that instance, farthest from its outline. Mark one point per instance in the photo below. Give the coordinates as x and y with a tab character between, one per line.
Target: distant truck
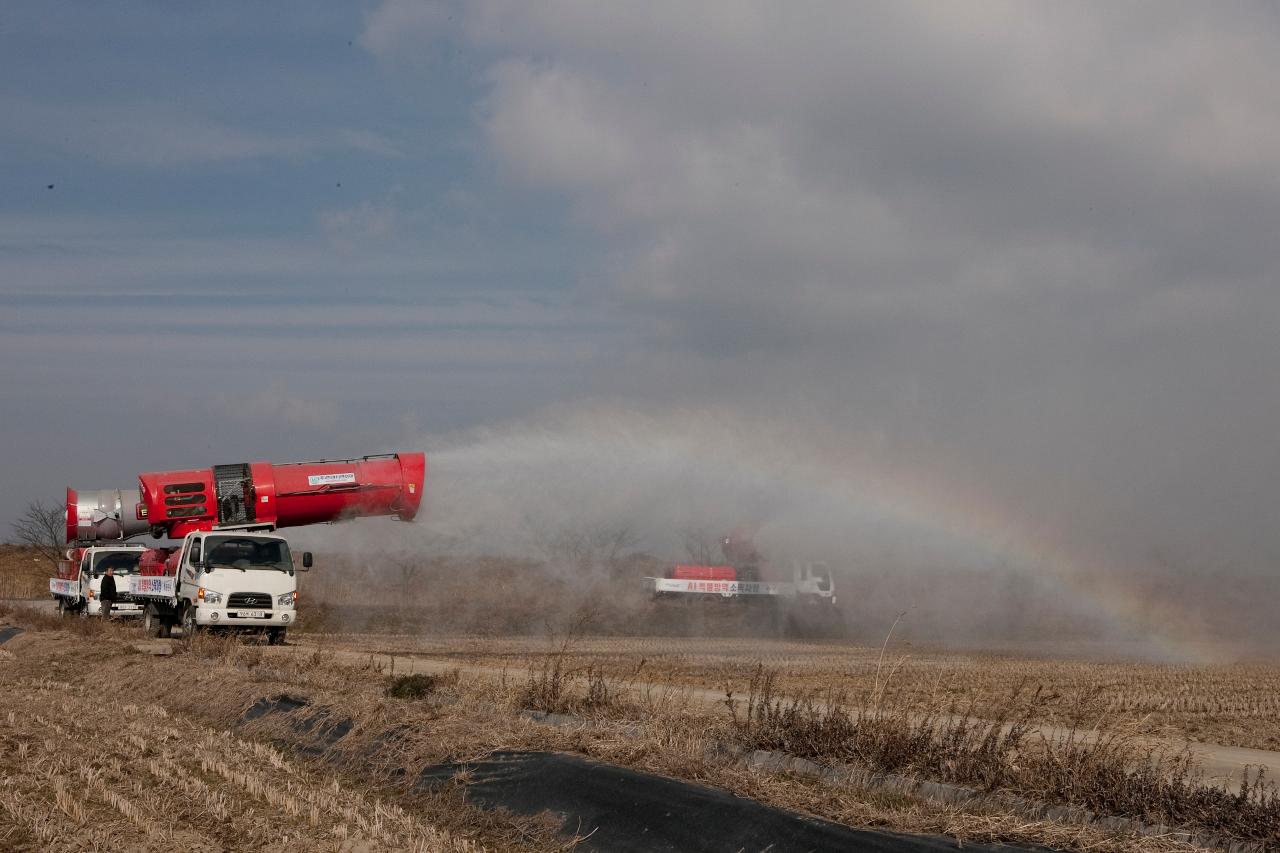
800	602
809	584
78	587
221	580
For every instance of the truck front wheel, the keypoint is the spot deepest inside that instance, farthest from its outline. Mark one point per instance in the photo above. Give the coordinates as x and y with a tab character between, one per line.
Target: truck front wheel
189	626
275	636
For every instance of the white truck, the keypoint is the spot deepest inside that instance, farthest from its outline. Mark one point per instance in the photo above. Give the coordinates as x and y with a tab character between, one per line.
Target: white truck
801	602
80	590
224	580
810	583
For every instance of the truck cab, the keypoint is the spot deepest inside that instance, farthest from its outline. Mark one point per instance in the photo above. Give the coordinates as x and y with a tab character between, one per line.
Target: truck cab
78	589
239	581
814	584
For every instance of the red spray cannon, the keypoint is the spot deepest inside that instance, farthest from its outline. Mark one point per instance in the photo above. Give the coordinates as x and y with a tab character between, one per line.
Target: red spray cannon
255	494
260	494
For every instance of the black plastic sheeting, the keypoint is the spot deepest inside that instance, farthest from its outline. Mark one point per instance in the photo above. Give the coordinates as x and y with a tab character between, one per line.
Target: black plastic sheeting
319	729
274	705
8	632
625	810
616	808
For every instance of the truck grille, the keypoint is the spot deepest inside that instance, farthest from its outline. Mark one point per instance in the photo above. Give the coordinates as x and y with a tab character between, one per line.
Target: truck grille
249	599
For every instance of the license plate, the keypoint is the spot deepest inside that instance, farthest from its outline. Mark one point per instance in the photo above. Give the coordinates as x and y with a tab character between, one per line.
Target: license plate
251	614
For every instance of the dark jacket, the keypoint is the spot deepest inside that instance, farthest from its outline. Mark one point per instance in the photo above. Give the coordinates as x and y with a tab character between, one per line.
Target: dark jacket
108	591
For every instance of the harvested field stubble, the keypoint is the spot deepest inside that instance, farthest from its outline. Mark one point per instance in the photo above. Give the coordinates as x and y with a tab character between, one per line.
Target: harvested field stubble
169	783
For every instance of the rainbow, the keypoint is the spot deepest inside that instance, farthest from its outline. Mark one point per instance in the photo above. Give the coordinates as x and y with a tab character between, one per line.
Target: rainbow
617	462
974	522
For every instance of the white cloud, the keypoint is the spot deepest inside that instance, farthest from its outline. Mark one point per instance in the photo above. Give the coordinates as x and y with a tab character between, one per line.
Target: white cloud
556	128
1003	235
817	162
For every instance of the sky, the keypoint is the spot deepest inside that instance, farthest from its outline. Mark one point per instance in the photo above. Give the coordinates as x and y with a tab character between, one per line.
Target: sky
1003	272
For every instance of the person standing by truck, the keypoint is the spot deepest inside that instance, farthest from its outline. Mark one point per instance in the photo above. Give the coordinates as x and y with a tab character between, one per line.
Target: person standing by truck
107	593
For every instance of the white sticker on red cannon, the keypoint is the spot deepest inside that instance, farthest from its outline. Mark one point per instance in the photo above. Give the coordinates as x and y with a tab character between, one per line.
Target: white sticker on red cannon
330	479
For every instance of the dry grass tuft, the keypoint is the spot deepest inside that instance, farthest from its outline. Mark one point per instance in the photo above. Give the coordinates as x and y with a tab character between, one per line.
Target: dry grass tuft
419	685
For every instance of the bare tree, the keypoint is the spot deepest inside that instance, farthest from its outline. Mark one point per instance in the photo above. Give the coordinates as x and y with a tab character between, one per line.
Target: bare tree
407	565
42	527
587	548
611	543
571	547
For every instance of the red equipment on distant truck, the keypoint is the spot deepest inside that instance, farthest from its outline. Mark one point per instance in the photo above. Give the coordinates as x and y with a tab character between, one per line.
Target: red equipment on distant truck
704	573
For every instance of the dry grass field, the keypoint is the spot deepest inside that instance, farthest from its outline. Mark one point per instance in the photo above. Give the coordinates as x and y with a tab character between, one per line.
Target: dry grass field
23	574
188	765
98	752
1230	704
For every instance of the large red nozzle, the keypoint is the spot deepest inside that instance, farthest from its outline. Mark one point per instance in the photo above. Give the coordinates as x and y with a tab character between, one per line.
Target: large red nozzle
288	495
103	514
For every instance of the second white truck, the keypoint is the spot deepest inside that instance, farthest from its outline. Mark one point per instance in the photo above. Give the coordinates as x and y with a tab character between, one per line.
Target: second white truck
78	587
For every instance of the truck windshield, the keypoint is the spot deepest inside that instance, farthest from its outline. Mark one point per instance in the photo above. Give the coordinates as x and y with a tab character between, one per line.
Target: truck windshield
243	552
822	575
124	562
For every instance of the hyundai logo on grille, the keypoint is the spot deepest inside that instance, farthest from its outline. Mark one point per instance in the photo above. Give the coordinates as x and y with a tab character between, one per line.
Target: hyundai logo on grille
249	599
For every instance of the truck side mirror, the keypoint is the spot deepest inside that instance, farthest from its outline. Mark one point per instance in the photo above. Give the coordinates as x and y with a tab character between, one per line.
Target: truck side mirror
194	556
306	559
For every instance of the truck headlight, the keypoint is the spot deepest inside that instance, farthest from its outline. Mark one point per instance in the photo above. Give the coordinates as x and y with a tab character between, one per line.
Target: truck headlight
288	599
208	596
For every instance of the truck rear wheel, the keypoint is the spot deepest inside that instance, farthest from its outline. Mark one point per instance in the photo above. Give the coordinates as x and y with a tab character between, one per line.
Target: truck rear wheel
63	610
152	624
